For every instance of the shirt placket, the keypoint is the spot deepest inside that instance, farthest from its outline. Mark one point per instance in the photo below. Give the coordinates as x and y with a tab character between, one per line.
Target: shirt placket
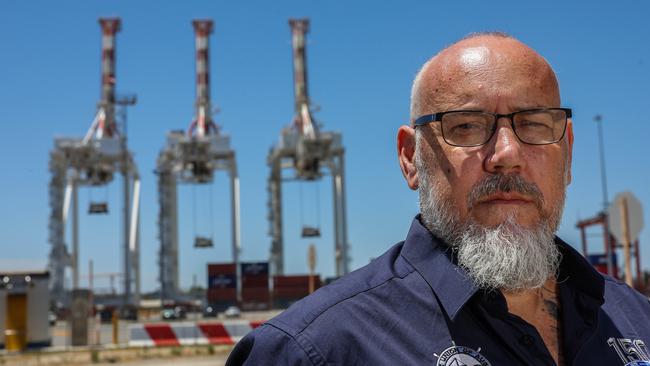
515	334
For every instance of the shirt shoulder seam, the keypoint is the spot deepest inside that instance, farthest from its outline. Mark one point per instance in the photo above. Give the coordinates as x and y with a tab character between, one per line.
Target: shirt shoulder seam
302	329
302	346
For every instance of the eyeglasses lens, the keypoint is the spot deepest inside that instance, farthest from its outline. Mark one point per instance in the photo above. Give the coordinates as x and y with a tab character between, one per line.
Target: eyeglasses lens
540	127
476	128
467	128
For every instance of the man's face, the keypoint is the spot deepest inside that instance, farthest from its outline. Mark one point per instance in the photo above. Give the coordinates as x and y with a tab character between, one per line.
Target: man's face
499	204
502	78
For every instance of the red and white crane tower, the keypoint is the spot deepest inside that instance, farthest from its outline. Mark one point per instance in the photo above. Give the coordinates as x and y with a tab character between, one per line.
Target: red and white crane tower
307	150
92	161
192	157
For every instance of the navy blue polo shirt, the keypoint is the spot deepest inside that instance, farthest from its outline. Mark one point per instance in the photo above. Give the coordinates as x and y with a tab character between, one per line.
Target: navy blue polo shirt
415	306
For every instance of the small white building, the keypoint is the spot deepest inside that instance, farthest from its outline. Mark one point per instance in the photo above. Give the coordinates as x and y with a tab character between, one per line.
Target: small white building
24	306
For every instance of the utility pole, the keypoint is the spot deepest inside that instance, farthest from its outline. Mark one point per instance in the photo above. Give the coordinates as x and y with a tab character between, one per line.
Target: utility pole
601	147
603	180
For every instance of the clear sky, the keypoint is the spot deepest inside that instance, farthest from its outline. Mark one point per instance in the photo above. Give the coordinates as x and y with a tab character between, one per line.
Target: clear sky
362	56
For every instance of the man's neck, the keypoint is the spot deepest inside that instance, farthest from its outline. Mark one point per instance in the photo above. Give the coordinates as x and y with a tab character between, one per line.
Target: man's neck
540	307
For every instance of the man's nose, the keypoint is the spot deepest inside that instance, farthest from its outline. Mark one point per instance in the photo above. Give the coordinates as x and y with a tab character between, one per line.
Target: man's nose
505	150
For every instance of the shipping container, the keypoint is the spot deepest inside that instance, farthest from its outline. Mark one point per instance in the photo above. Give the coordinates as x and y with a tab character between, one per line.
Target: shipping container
222	281
220	298
255	281
221	294
255	294
255	268
221	268
289	289
291	293
256	298
295	281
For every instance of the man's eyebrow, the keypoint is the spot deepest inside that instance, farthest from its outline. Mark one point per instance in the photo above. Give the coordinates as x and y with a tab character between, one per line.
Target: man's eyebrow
534	106
474	108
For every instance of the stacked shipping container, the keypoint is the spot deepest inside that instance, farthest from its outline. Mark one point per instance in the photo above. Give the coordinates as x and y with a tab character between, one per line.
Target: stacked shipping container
222	285
255	292
255	286
289	289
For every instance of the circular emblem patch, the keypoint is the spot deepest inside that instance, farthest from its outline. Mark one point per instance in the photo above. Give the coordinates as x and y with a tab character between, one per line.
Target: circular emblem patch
461	356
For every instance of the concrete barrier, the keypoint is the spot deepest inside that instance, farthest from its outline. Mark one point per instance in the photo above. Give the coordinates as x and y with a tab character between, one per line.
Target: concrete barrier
189	333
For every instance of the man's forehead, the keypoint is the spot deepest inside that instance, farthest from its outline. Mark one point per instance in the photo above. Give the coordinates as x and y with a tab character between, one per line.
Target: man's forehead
476	56
485	66
478	50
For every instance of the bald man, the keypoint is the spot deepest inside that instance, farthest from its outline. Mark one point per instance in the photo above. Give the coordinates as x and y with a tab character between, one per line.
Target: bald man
481	278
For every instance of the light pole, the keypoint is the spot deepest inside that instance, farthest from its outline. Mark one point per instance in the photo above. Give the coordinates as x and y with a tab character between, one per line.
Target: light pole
603	174
603	180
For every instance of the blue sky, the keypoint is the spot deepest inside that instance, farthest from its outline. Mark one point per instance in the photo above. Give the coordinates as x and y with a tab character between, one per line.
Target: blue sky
362	56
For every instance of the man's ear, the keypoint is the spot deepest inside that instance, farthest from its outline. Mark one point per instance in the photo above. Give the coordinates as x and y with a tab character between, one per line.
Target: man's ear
406	155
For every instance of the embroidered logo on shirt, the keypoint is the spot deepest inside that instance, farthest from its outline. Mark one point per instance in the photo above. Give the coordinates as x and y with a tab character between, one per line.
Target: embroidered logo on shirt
633	352
461	356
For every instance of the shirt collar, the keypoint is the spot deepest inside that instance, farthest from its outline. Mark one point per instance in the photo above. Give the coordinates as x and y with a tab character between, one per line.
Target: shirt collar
579	274
432	259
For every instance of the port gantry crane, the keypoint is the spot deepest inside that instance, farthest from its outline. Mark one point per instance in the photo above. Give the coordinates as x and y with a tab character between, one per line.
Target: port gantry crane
93	161
192	157
307	150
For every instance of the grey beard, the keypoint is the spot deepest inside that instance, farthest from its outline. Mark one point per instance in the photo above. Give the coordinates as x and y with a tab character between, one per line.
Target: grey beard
509	256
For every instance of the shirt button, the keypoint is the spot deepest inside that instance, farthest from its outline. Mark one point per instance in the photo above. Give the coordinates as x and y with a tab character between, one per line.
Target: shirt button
526	340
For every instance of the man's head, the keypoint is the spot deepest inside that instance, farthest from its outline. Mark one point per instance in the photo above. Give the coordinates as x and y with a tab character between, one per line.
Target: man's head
499	203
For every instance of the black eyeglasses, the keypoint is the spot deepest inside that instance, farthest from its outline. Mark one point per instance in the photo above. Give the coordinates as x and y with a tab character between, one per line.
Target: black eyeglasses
474	128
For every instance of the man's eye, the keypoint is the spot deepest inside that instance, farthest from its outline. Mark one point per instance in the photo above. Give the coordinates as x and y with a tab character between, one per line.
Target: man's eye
467	127
531	124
